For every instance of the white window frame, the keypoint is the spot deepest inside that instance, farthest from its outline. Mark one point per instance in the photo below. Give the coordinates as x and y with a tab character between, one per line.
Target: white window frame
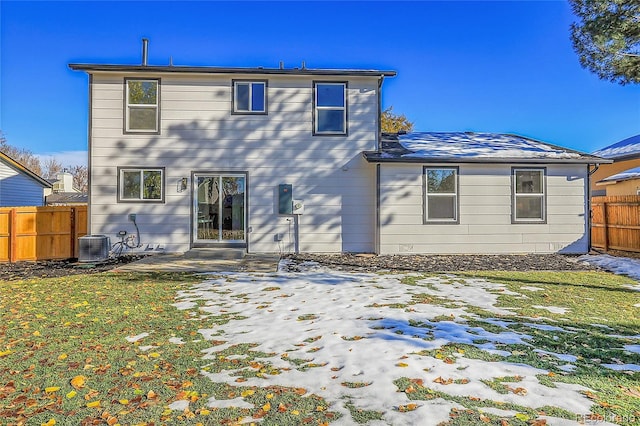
250	83
129	107
455	195
542	195
317	108
141	170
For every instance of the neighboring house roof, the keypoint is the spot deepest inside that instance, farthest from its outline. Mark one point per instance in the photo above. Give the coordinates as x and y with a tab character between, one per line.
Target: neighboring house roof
624	150
67	198
63	183
22	169
472	147
626	175
228	70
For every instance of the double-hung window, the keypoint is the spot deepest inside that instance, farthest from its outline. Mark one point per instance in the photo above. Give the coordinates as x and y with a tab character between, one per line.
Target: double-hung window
329	108
142	106
528	195
249	97
441	194
140	184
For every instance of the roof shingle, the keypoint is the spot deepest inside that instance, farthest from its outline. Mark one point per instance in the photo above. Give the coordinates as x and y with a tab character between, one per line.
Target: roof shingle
625	149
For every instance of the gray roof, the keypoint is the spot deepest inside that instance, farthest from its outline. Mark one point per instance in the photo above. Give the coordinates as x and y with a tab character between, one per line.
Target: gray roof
624	150
67	198
229	70
472	147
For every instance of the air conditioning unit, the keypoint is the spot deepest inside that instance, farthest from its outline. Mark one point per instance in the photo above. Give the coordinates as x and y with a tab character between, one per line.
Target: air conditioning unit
94	248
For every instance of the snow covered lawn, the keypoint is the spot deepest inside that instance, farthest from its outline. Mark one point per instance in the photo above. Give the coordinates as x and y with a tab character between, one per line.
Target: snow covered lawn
504	348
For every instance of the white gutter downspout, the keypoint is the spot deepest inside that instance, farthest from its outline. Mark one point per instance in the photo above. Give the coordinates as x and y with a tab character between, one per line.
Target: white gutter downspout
376	242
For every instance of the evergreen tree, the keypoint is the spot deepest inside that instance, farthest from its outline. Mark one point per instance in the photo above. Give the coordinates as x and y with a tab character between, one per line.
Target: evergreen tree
607	38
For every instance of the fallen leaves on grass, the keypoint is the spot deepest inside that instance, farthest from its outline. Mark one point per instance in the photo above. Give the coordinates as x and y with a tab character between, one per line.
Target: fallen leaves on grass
78	382
518	391
635	392
93	404
406	408
73	334
442	381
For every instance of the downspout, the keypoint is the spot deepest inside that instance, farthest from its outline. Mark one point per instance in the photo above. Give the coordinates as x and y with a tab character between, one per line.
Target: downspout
379	141
589	218
377	233
376	242
89	143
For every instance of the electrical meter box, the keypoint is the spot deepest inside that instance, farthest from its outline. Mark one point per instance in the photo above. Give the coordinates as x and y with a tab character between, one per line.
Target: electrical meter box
298	207
285	198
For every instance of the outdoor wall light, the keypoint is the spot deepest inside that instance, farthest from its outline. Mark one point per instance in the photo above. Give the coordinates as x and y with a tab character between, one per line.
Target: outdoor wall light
182	184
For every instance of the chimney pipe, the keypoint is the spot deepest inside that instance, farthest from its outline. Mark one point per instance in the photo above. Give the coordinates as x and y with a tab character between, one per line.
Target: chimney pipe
145	51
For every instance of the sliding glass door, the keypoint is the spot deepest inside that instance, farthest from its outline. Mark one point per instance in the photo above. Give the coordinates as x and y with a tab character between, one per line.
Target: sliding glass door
219	210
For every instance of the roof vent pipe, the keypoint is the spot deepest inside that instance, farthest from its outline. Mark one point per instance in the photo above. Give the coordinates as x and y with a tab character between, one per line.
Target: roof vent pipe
145	51
281	65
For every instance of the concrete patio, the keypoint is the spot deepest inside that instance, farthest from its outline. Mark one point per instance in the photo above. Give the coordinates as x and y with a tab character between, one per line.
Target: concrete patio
205	260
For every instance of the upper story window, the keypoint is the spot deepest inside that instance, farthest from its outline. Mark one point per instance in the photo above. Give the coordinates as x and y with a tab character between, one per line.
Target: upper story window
441	194
138	184
329	108
249	97
529	195
142	109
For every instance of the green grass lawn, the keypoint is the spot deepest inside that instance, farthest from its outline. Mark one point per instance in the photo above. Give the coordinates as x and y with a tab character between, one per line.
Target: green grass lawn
65	359
599	315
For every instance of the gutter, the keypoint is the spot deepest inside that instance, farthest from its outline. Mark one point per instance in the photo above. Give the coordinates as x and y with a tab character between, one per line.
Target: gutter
227	70
370	156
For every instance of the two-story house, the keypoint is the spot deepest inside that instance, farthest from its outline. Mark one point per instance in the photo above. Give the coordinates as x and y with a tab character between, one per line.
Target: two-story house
292	159
208	156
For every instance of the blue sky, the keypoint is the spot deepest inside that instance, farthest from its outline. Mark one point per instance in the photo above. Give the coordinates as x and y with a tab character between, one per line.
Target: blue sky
462	66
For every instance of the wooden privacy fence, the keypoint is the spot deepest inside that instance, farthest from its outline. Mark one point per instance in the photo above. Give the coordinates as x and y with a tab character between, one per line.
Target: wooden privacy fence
615	222
41	233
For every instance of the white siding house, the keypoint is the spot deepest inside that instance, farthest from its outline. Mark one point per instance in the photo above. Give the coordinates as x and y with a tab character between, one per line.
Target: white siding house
281	160
471	193
199	155
20	186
